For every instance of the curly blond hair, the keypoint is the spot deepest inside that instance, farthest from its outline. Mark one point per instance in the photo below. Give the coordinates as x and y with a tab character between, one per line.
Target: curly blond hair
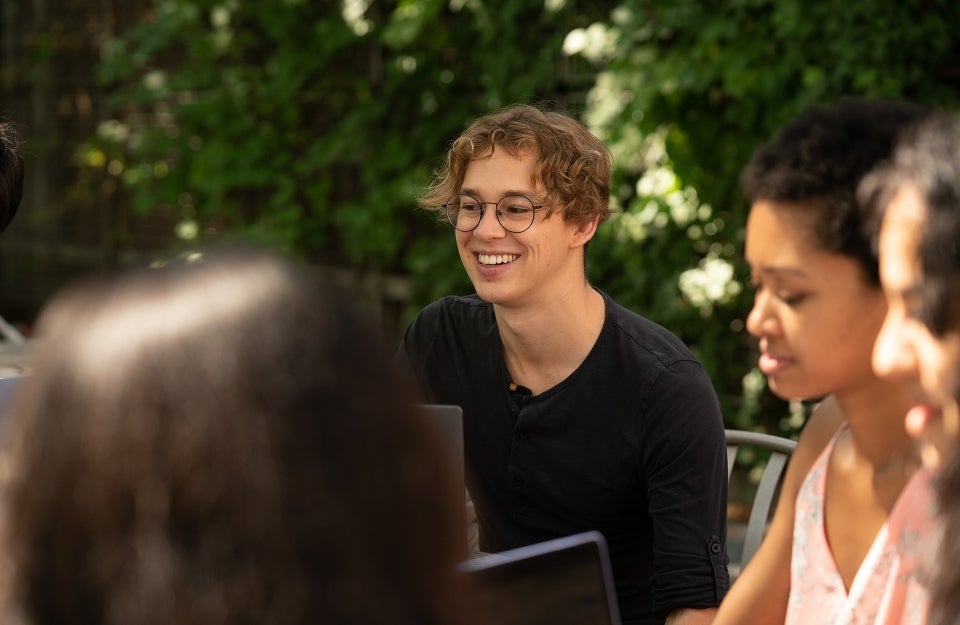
572	170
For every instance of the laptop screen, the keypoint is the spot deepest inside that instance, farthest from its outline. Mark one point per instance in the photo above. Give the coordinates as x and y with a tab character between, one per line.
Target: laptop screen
566	581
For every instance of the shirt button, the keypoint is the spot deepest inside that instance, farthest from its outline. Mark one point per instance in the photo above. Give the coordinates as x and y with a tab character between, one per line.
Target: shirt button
523	435
518	481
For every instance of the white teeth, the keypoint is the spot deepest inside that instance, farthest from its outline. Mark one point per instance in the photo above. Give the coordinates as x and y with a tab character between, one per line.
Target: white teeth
497	259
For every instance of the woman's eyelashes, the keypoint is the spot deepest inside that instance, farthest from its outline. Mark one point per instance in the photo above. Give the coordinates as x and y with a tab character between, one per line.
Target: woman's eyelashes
788	297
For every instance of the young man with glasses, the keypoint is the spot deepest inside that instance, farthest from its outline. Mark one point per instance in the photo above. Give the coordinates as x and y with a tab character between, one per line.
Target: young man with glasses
578	414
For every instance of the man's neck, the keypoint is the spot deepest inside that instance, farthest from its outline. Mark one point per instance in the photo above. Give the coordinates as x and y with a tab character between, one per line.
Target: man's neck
544	345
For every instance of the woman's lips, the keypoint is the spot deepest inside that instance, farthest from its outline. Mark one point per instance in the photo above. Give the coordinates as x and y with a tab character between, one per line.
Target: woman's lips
771	364
919	418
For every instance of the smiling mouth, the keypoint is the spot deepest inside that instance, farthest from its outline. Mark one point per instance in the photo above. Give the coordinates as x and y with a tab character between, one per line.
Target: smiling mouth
497	259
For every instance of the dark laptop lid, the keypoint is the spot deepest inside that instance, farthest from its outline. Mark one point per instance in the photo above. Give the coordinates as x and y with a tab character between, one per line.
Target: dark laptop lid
447	419
565	581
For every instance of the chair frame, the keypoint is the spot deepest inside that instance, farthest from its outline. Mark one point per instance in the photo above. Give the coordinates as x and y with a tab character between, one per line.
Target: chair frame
781	448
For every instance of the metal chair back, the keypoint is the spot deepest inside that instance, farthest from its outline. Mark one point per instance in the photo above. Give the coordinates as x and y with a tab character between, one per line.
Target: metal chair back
767	491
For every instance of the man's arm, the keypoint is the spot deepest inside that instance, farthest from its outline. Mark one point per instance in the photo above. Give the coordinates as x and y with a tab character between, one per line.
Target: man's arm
759	596
684	460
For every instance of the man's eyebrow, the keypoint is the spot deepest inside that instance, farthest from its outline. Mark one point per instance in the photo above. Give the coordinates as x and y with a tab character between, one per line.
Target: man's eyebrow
526	193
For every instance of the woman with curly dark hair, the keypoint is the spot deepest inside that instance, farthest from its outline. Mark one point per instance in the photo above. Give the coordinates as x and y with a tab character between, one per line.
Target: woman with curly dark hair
840	549
223	439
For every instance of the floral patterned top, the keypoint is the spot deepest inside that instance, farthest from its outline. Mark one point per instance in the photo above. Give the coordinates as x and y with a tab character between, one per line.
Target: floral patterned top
889	588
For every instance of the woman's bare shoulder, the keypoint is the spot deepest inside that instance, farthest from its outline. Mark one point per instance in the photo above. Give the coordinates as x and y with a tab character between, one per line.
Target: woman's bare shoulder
821	426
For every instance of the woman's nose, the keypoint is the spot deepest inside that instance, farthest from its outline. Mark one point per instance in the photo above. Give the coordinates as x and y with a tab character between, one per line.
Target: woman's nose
761	321
893	356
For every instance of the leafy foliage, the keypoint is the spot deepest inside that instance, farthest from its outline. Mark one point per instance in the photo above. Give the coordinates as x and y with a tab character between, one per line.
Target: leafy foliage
685	91
312	126
310	129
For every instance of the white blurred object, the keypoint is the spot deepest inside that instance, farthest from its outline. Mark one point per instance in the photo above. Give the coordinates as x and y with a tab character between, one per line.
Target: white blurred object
10	333
15	350
473	529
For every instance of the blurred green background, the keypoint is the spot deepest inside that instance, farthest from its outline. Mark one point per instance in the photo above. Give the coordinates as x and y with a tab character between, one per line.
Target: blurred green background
155	126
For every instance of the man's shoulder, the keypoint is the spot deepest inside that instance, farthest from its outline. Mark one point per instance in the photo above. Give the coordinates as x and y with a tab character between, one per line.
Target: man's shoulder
645	334
454	317
449	328
458	307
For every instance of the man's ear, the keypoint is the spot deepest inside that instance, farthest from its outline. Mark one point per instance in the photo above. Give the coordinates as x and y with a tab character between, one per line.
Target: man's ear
584	232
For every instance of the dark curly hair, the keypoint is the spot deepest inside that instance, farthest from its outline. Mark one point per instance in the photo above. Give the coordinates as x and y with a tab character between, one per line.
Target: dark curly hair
223	441
11	173
816	162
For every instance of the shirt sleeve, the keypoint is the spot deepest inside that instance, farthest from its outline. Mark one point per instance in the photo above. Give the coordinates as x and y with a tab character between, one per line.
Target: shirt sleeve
685	465
412	355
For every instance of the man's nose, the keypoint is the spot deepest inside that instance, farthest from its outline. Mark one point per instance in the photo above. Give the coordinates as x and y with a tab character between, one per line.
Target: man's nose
489	226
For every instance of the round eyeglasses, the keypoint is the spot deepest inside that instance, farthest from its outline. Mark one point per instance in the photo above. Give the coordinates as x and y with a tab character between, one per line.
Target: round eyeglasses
515	213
